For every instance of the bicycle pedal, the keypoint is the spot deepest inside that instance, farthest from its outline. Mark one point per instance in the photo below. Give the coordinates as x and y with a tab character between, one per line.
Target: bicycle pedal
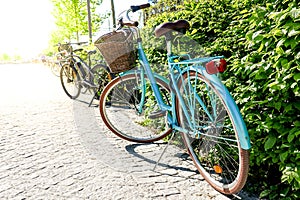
157	114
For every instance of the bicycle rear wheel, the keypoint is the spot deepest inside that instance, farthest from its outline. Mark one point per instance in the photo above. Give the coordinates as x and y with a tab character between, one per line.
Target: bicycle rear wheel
212	141
126	111
69	79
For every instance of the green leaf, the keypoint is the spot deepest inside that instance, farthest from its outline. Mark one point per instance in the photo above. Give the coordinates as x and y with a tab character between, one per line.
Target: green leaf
279	50
273	84
291	136
289	42
297	123
288	108
244	11
284	62
273	15
257	36
295	13
298	55
249	35
280	43
283	156
194	31
261	47
264	193
297	105
297	77
284	192
278	105
295	26
293	86
270	142
282	17
293	33
277	32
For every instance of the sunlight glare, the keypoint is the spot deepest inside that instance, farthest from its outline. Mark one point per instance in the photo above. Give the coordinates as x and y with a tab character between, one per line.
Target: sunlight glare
25	26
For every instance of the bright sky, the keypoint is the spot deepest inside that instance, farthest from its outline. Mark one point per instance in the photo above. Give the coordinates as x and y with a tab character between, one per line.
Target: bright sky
119	7
26	25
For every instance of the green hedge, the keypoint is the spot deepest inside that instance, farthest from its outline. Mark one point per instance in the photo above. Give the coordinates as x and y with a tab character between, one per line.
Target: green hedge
261	42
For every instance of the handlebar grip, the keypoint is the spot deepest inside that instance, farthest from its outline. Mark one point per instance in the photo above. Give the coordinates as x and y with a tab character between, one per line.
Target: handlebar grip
78	50
131	23
136	8
79	43
92	52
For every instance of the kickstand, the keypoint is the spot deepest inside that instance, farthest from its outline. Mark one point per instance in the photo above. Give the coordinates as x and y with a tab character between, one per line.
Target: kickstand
171	138
94	96
92	99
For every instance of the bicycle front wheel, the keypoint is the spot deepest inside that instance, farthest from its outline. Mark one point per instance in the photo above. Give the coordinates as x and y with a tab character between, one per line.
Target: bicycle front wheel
127	110
55	68
212	139
69	79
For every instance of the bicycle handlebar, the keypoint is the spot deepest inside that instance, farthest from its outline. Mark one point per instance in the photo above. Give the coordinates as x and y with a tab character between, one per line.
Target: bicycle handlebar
130	23
136	8
78	43
132	9
70	43
80	49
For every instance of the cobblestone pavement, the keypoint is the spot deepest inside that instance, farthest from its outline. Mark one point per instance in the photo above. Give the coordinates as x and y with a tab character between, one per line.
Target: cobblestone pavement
52	147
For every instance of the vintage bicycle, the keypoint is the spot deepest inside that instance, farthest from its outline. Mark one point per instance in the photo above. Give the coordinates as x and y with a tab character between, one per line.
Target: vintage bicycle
56	61
142	106
77	76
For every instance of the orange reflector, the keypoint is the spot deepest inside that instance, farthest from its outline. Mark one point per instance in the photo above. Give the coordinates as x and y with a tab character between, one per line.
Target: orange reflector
218	169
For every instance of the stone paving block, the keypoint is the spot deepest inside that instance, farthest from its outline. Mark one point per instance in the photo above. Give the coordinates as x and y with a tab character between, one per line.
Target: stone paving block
52	147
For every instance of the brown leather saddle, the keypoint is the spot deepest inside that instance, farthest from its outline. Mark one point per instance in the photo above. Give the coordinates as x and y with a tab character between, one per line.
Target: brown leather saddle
167	27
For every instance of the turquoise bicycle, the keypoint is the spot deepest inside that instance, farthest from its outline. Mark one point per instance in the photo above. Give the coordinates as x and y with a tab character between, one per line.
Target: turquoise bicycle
142	106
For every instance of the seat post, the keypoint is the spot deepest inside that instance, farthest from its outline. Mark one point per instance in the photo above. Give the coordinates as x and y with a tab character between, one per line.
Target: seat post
169	38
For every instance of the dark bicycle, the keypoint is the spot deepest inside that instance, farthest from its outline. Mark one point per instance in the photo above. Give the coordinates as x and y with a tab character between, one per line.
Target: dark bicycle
77	76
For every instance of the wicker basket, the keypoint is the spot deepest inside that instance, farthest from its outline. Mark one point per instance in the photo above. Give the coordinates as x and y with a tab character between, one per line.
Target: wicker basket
118	50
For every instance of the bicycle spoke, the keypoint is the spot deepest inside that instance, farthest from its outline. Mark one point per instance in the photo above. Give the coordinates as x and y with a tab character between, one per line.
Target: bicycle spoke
124	100
70	81
211	138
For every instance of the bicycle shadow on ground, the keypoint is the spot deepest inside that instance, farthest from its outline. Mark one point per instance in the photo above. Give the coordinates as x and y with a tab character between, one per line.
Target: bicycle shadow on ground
87	100
184	157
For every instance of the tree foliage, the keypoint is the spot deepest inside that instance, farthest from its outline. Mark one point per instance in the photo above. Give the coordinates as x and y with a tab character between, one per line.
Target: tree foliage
260	39
71	19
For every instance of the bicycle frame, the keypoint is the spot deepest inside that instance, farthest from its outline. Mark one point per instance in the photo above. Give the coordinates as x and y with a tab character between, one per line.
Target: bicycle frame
141	106
83	68
192	65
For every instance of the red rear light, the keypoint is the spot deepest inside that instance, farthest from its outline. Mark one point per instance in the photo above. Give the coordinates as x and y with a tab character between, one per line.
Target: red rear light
216	66
222	66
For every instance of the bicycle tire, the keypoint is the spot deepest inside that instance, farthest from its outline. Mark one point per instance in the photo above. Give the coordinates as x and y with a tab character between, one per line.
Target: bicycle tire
119	104
55	68
70	80
215	151
102	77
